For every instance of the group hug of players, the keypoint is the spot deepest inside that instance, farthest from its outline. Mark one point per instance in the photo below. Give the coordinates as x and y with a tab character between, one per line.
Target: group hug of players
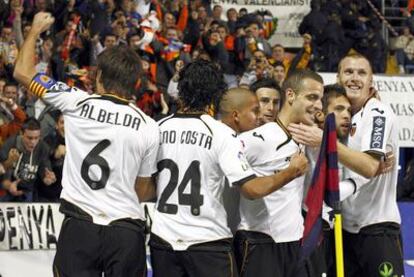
187	159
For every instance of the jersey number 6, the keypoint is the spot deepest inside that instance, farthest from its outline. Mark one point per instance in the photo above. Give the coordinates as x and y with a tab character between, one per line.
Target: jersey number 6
93	158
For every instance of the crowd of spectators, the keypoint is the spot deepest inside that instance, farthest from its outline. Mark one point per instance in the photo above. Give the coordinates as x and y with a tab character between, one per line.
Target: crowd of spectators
167	34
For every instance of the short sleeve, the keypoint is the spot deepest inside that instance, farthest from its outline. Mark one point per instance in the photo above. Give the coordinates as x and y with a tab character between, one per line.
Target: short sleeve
149	161
233	162
377	124
58	94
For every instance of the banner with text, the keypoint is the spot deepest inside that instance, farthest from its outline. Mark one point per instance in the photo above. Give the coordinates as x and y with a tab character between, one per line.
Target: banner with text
289	14
29	226
398	92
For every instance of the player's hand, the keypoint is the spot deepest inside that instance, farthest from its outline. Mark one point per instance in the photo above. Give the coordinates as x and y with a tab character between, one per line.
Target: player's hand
387	164
299	163
42	22
49	177
307	135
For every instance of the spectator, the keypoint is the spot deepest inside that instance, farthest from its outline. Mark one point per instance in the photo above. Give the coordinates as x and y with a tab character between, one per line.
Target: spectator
57	152
232	20
279	55
258	68
8	50
279	73
314	24
12	116
26	158
404	51
99	12
217	12
251	41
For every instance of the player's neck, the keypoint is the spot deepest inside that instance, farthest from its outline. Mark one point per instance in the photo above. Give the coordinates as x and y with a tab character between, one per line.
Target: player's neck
285	117
112	93
229	121
358	104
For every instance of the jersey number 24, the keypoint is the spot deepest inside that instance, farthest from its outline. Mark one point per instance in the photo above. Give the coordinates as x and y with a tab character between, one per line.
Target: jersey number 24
193	199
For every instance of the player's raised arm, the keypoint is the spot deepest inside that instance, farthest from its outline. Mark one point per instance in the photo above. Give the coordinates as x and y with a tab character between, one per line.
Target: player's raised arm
25	70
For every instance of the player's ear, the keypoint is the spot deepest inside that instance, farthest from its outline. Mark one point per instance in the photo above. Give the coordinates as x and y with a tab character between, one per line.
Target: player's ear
290	96
235	116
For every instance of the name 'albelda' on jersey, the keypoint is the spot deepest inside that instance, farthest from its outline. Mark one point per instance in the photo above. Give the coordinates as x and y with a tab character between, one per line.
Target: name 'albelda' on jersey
110	135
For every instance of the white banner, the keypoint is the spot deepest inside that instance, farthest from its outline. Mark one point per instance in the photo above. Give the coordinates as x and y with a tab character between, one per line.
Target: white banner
289	13
28	236
398	92
29	226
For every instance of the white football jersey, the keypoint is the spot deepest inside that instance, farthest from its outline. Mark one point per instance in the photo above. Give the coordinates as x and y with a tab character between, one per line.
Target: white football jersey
268	149
196	153
109	143
374	129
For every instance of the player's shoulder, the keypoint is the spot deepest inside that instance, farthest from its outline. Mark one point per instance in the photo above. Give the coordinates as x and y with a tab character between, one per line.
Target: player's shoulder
148	121
377	108
266	132
218	127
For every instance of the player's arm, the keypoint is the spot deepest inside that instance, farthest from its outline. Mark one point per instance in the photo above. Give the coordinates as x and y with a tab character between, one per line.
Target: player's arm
145	182
262	186
25	70
363	163
145	188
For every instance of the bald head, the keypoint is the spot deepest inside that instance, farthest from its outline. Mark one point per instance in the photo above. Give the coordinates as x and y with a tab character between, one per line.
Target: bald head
239	109
234	99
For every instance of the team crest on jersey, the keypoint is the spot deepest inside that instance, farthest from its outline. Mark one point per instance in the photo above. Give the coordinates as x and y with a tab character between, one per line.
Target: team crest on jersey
378	131
352	129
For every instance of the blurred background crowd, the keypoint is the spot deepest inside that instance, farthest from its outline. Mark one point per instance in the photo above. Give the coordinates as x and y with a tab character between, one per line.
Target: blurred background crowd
167	34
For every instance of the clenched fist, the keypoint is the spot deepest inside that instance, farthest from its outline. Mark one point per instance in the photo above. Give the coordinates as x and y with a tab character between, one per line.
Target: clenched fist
299	163
42	22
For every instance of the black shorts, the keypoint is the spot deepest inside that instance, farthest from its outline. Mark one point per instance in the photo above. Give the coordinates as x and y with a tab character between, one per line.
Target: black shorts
208	259
322	261
375	251
86	249
258	255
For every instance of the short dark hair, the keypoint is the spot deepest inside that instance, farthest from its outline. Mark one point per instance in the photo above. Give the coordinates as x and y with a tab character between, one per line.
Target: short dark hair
10	83
355	55
201	84
294	81
31	124
278	45
120	68
332	91
265	83
217	6
279	63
